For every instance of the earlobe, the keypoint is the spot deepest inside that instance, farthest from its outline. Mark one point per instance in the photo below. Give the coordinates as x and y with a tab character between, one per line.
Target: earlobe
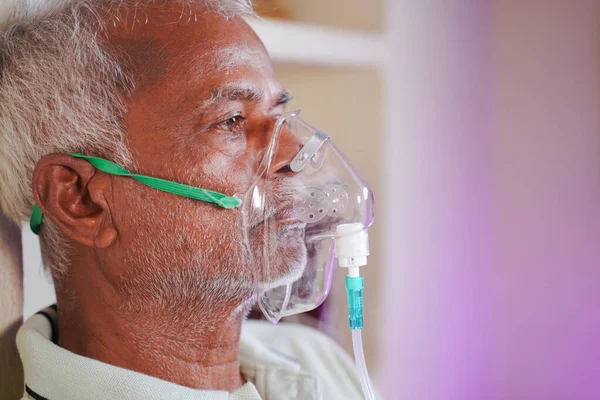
106	238
107	234
71	193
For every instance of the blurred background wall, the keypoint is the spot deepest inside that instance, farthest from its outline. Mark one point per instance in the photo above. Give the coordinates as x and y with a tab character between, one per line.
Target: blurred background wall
11	308
493	149
477	126
546	157
439	288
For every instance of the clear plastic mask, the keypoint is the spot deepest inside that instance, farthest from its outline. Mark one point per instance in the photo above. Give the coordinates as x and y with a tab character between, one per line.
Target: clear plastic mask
293	218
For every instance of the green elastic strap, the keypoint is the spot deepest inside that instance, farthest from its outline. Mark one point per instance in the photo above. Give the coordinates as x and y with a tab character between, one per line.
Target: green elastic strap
179	189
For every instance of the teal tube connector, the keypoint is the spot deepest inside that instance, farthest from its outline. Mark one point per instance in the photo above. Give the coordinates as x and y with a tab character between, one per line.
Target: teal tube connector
354	290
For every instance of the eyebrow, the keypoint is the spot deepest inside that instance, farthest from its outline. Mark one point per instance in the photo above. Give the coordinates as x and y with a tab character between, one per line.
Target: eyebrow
285	97
243	93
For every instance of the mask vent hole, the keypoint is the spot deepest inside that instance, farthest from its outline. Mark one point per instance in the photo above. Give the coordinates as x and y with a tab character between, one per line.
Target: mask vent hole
314	206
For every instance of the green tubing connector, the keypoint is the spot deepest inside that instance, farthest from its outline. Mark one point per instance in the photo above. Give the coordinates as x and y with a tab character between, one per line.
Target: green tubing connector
354	289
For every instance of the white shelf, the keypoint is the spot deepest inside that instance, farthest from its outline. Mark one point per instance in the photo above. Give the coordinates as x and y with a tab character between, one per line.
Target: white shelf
292	42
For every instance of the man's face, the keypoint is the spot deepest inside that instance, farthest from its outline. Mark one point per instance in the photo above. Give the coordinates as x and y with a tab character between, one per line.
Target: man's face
202	113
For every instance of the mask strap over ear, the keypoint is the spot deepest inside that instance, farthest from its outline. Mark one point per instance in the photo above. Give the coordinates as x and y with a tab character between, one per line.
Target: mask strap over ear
179	189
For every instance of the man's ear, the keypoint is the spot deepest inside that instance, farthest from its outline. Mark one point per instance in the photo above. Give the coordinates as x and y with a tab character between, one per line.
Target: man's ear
71	193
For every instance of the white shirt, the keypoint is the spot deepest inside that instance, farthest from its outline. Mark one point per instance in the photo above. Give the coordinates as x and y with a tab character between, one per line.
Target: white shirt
286	361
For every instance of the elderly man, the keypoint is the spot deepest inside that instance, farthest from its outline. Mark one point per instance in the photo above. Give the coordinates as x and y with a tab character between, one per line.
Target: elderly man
153	288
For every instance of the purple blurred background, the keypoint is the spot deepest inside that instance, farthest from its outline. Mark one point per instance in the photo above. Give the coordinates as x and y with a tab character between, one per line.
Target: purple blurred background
492	232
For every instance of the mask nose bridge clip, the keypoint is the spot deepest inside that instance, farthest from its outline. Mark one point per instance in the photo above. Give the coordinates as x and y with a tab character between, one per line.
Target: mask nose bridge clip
307	152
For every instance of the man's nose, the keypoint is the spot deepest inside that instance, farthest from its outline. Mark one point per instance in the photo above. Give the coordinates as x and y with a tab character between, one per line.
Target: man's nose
287	147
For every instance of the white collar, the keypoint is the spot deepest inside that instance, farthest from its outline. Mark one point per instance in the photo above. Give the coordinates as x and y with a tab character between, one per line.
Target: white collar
52	372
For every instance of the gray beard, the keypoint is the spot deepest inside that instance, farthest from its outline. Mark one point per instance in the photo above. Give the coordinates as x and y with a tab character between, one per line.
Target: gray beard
172	271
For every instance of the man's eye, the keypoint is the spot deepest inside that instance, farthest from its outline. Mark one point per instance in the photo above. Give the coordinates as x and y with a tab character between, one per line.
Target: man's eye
233	124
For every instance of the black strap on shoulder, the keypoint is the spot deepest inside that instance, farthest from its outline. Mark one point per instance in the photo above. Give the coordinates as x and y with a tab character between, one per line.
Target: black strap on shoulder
52	324
33	394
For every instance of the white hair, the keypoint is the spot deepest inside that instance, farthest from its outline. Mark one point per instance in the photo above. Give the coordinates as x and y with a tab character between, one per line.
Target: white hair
62	91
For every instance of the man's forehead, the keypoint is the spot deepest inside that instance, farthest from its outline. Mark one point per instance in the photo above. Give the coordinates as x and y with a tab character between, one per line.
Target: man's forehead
227	56
204	45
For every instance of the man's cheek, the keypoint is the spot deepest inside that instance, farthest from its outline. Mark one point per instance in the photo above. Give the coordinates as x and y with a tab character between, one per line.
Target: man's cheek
232	145
216	164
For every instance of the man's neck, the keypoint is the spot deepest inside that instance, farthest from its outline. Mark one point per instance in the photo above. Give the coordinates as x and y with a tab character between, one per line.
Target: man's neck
198	351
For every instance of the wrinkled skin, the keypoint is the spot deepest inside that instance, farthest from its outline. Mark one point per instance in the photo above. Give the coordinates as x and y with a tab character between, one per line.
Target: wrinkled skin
159	283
